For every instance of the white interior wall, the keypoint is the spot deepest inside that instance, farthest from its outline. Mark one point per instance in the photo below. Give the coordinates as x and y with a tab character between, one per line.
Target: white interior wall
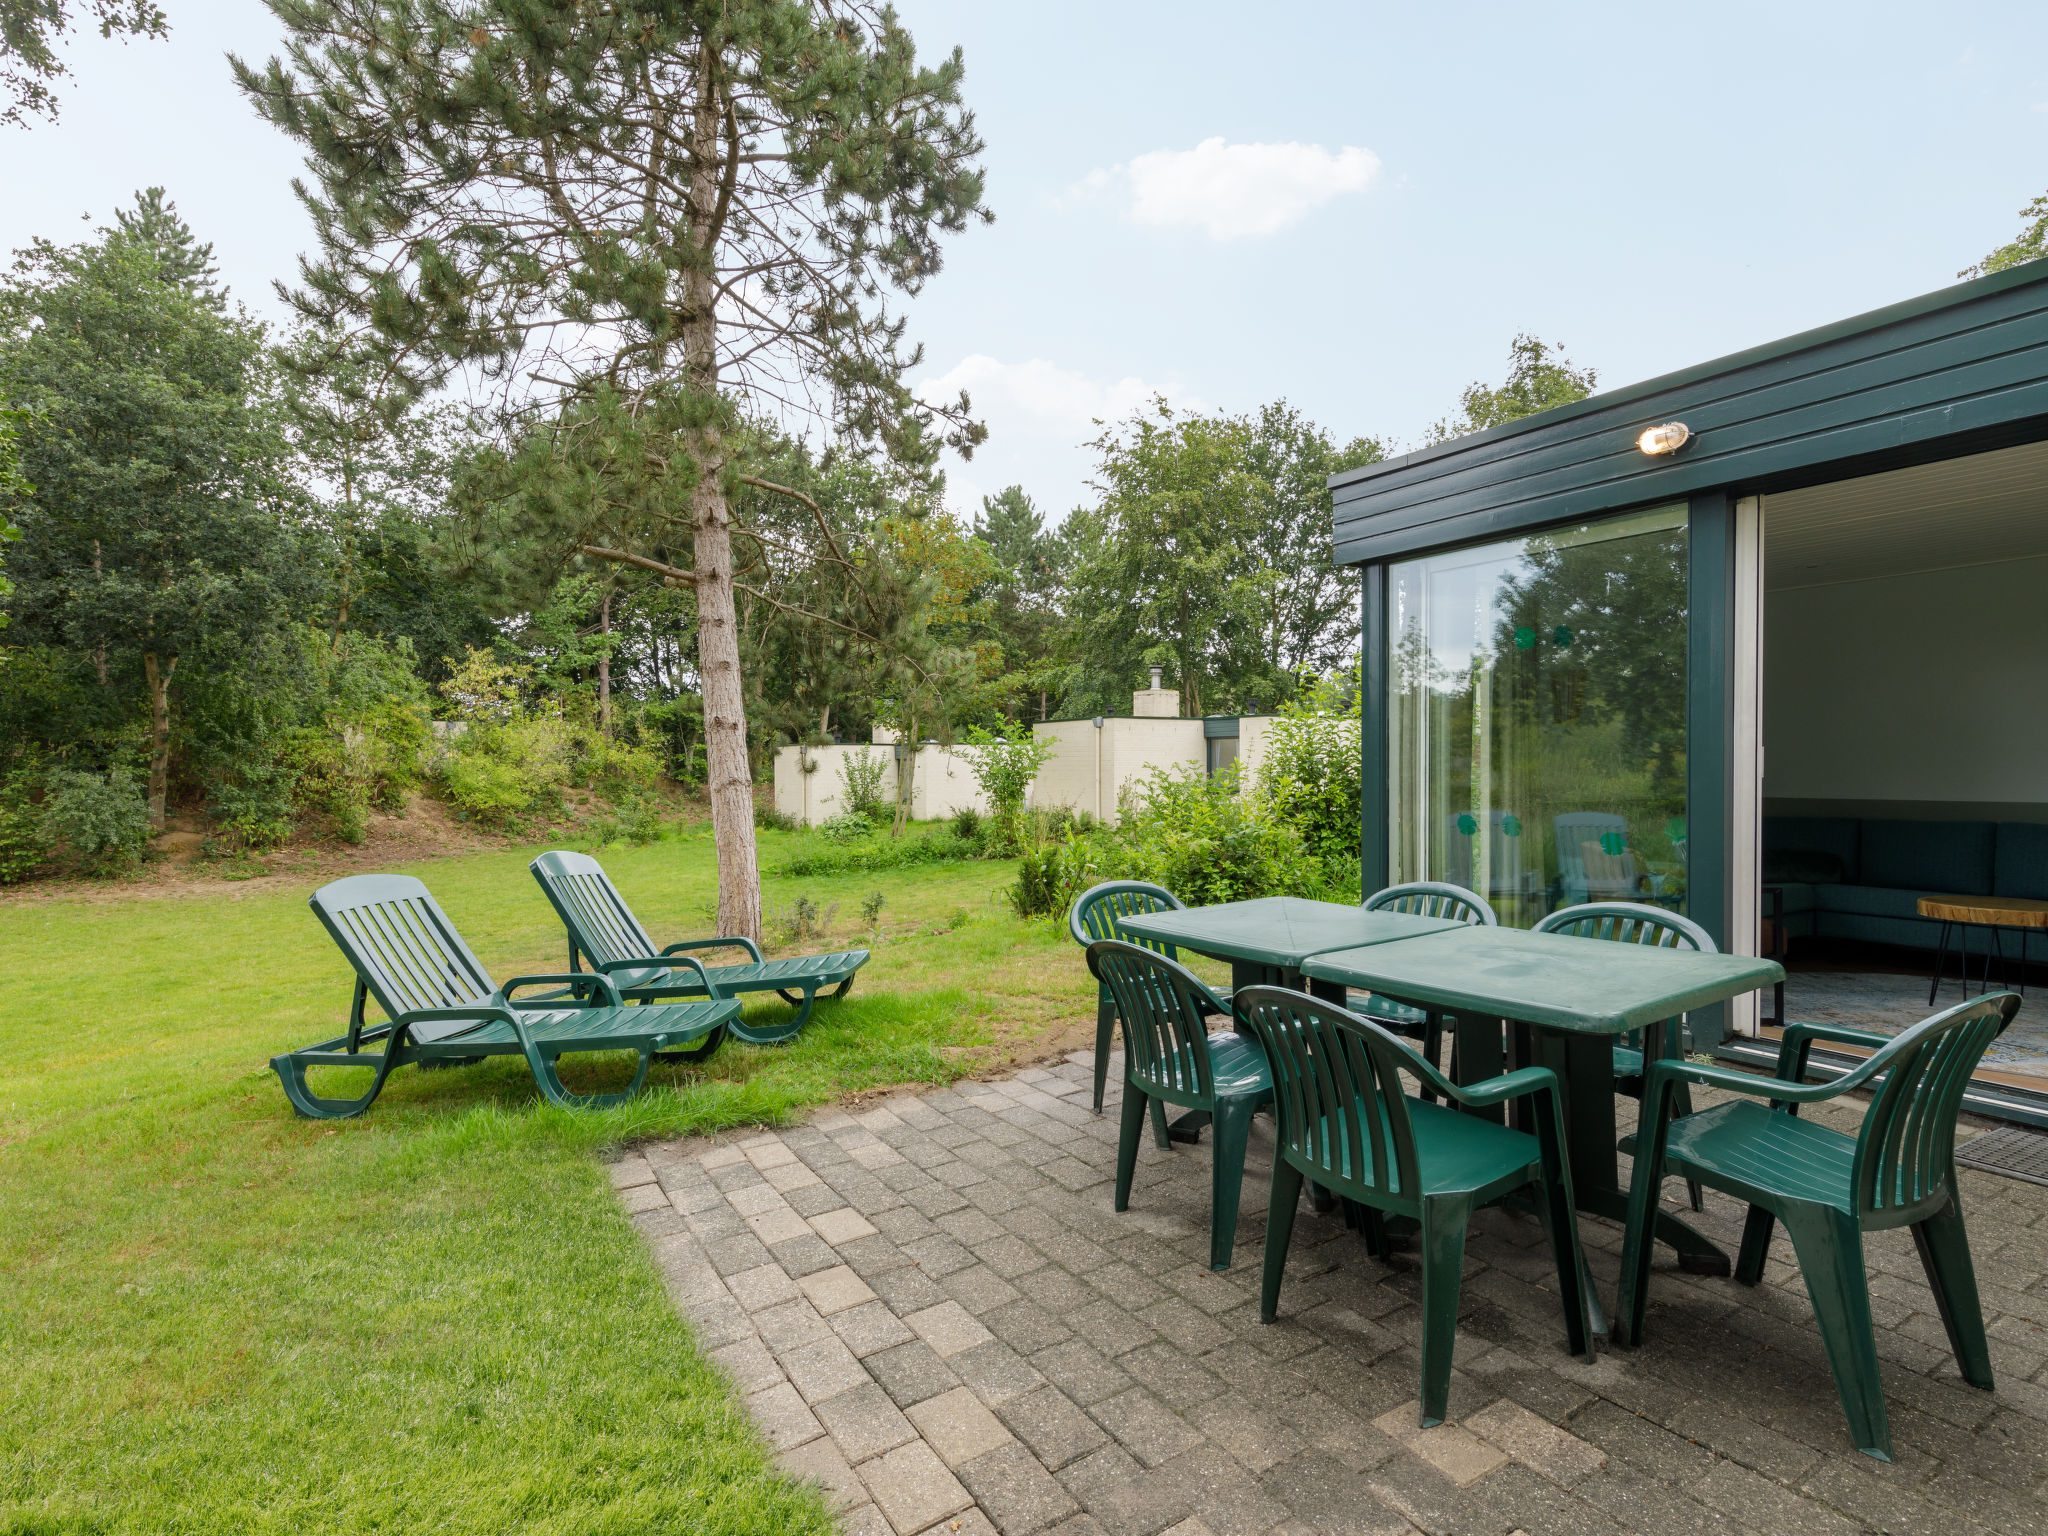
1929	686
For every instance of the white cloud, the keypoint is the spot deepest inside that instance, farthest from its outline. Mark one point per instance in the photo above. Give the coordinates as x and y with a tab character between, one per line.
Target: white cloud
1232	190
1040	418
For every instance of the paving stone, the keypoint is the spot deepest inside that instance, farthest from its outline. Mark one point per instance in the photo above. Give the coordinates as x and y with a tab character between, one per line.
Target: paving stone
969	1522
782	1416
755	1200
910	1373
863	1422
958	1426
1025	1326
1258	1441
907	1289
1081	1372
765	1285
1123	1497
1536	1442
949	1328
1048	1421
807	1254
789	1177
1146	1427
842	1225
822	1370
869	1327
996	1372
820	1462
748	1364
790	1326
979	1289
1015	1491
835	1290
913	1488
1451	1448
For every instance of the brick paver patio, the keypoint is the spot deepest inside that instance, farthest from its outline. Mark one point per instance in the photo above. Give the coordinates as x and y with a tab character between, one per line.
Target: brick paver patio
931	1309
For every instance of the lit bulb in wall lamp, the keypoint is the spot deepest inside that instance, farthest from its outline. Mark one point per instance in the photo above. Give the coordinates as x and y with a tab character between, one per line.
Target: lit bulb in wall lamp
1668	438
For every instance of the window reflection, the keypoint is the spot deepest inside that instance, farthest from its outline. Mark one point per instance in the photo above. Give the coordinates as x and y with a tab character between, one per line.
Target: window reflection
1538	717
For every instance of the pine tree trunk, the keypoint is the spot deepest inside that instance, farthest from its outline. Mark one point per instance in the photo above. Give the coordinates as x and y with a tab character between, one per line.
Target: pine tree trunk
604	664
729	778
159	676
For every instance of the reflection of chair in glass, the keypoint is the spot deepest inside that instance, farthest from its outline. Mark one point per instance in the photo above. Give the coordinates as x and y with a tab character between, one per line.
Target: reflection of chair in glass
1506	876
1421	898
1593	858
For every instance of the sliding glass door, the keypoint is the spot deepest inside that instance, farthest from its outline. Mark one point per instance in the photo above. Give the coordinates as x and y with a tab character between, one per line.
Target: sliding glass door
1537	728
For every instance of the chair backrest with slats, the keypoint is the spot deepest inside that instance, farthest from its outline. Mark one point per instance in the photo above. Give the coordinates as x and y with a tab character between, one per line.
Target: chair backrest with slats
1629	922
1097	909
1434	898
1905	1153
600	924
401	943
1165	1034
1341	1110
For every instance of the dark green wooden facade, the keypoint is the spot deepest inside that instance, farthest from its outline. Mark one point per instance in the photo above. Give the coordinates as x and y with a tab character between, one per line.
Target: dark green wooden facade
1960	371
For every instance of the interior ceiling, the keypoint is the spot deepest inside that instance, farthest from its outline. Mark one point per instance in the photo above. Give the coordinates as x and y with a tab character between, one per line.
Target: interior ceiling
1968	511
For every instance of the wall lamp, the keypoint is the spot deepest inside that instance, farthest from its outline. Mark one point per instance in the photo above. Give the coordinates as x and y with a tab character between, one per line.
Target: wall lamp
1668	438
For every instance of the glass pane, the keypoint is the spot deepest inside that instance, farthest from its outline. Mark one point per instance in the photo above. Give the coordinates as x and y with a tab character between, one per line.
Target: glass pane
1537	717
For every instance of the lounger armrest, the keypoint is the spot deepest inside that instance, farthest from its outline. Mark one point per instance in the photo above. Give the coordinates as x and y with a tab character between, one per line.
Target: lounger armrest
577	981
664	962
476	1013
738	942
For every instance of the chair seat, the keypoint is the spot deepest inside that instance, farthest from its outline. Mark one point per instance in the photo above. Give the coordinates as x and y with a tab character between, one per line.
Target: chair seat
1744	1147
582	1029
1628	1061
1384	1009
1237	1066
1458	1153
771	975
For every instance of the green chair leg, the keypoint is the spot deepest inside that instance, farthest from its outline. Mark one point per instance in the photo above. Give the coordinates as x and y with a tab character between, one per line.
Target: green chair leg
1681	1100
1756	1245
777	1034
1632	1300
1279	1233
1105	1030
1443	1274
1574	1283
1231	1135
1945	1254
699	1052
291	1072
1830	1248
1127	1144
543	1068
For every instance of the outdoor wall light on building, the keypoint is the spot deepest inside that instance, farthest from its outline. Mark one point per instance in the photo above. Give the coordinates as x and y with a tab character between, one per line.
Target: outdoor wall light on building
1667	438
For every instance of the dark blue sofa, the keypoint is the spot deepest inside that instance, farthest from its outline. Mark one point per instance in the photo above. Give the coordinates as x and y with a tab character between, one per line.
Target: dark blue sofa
1849	877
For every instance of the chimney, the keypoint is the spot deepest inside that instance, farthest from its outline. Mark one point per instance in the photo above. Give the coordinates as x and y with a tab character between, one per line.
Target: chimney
1156	703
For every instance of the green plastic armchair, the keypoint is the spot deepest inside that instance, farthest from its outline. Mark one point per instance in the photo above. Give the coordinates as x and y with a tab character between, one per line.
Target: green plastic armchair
1421	898
1171	1058
1829	1188
1345	1122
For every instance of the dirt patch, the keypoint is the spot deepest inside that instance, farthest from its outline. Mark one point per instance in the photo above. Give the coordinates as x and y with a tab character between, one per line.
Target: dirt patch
427	830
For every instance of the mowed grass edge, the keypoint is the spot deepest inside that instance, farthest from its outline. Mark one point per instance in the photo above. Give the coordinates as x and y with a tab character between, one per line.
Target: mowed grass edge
215	1316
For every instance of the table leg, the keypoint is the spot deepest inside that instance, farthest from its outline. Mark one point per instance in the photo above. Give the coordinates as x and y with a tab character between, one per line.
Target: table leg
1940	959
1480	1055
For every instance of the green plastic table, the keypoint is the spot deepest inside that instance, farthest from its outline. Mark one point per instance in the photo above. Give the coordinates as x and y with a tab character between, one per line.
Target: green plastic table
1267	941
1568	998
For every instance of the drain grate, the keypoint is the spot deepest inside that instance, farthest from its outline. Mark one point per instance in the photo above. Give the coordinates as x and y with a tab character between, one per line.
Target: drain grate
2015	1152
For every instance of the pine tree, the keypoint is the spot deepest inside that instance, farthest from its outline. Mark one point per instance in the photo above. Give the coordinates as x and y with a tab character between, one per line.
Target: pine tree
626	214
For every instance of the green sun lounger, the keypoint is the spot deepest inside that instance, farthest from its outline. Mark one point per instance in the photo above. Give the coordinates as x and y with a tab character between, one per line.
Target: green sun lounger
442	1009
603	930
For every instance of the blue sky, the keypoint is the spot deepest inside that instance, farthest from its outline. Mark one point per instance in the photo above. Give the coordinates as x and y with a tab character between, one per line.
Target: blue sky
1352	206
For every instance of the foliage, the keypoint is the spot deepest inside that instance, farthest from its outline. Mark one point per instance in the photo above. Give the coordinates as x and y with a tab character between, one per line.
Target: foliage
2030	244
1309	769
846	828
100	820
155	538
23	843
777	821
1540	376
14	488
879	853
860	783
1005	769
871	907
966	823
30	36
1207	557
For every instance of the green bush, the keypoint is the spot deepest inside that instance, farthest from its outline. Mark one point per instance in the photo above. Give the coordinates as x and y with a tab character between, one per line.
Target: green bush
860	785
879	853
775	821
100	820
846	828
23	843
967	824
254	805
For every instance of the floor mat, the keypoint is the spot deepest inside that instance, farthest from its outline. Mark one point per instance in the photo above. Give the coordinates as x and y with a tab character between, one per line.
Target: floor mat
2010	1150
1891	1003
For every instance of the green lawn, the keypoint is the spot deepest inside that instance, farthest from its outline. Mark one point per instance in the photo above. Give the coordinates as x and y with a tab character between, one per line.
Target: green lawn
214	1316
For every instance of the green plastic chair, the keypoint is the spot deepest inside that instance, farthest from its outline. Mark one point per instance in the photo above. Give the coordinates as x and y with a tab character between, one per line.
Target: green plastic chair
603	930
1093	917
1345	1122
1421	898
443	1009
1629	922
1171	1058
1829	1188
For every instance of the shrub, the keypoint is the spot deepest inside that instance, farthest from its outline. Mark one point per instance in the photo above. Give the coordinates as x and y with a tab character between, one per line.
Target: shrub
1004	768
1036	891
102	820
777	821
1309	779
802	920
23	842
967	824
846	828
871	908
484	787
860	785
253	805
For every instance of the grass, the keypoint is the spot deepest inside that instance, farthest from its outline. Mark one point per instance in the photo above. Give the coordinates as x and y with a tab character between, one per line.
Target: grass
216	1317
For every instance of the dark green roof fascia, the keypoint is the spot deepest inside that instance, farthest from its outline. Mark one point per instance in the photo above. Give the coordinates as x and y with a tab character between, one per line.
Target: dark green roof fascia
1940	380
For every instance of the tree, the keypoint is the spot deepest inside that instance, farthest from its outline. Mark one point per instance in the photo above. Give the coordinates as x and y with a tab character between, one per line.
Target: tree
1539	376
29	34
622	214
156	536
1022	597
2030	244
14	489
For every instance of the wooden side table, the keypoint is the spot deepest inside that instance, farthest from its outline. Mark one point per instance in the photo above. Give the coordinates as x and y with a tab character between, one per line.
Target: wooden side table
1991	913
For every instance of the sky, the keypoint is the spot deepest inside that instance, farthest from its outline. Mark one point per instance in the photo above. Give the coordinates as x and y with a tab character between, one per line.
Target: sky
1354	207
